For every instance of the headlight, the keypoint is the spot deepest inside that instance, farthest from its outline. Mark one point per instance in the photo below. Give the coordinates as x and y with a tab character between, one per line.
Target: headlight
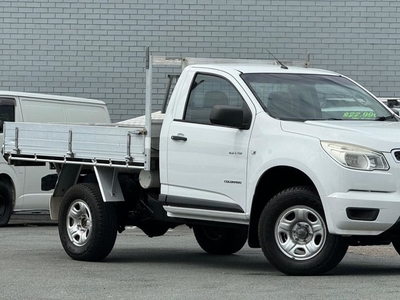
355	157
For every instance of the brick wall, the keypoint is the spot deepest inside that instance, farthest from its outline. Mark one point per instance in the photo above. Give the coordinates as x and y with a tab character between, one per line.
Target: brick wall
95	48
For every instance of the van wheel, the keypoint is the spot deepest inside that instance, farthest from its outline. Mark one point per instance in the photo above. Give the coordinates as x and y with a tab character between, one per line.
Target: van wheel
6	205
396	246
220	240
293	234
87	225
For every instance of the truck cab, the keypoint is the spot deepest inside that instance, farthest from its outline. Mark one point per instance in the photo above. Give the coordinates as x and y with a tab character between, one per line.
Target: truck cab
295	125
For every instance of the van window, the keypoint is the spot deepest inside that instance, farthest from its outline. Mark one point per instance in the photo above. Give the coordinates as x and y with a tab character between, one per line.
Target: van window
56	111
7	111
38	110
86	114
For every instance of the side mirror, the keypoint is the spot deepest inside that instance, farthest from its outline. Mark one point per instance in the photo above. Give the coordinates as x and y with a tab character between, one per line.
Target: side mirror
392	102
228	116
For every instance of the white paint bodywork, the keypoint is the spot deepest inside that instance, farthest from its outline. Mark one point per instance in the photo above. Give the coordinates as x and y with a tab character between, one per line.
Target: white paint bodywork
198	167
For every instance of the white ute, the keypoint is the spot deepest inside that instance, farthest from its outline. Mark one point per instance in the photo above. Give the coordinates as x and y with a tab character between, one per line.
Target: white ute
300	162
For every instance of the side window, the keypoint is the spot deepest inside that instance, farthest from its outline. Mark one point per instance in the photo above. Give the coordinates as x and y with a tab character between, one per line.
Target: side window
7	111
206	92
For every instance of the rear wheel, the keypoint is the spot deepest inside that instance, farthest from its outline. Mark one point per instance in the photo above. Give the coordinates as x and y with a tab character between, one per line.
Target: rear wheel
87	225
6	205
220	240
294	236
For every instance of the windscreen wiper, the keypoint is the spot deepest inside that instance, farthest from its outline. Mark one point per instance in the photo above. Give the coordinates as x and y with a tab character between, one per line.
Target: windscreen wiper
385	118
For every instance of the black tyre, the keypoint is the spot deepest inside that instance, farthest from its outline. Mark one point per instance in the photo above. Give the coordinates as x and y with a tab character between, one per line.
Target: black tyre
6	204
396	245
220	240
87	225
293	234
154	228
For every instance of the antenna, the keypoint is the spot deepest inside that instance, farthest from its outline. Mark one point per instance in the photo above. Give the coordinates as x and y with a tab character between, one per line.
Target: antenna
279	62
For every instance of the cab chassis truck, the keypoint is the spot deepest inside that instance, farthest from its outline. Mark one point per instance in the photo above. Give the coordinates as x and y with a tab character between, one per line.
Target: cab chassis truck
297	161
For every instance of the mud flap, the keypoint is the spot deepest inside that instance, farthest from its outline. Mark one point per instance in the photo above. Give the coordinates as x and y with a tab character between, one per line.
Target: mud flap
109	185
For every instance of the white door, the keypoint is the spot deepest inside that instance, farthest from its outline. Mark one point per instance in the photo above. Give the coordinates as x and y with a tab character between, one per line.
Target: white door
207	164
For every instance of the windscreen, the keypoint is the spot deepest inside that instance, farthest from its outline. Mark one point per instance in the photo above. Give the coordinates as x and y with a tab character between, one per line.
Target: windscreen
314	97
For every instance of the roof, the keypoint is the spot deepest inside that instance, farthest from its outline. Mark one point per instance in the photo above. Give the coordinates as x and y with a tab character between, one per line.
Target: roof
252	68
49	97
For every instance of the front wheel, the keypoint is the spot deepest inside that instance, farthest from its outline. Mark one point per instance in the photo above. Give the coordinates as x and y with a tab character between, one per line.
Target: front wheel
220	240
294	237
6	205
396	245
87	225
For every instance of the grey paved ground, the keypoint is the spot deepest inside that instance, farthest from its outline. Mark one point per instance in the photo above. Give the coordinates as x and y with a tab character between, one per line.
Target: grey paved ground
33	265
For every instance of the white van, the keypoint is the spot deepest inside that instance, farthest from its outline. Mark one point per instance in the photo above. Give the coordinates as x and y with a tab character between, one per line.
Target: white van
22	189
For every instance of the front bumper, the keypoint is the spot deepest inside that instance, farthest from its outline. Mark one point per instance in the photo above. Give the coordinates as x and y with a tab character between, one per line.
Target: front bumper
337	216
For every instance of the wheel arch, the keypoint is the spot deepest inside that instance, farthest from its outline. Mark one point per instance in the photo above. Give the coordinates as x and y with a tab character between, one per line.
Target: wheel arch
270	183
71	174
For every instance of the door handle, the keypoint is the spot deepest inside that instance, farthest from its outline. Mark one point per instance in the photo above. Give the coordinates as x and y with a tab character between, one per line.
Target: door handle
179	138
